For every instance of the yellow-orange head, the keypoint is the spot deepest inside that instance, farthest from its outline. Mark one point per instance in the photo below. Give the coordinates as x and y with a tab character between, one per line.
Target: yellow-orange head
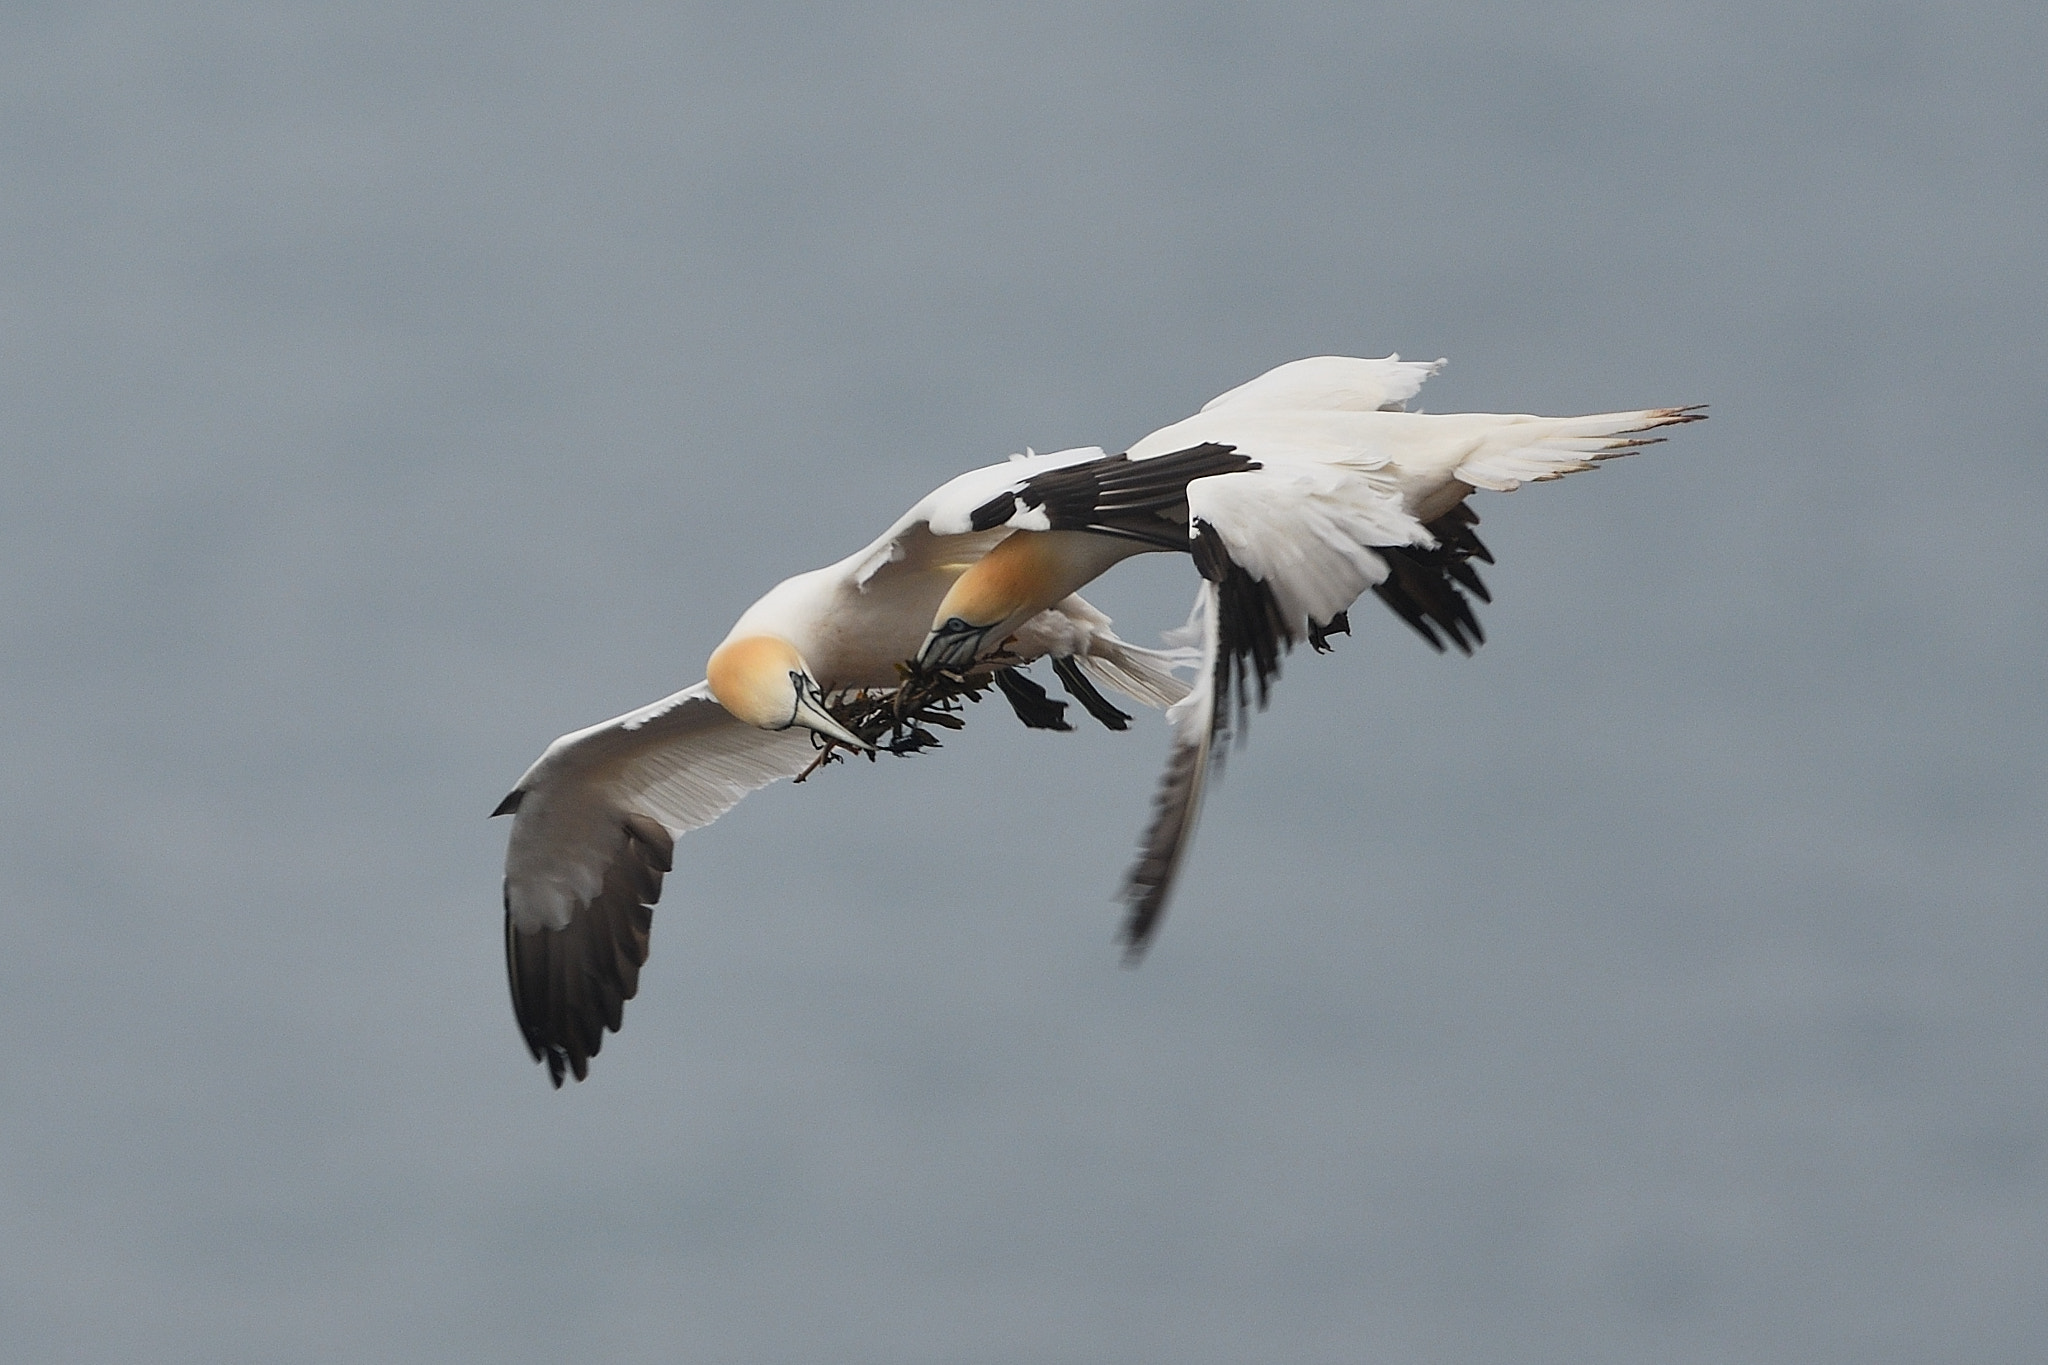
763	681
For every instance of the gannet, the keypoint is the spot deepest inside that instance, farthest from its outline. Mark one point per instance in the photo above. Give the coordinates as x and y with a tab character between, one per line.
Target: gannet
1310	484
597	815
1292	494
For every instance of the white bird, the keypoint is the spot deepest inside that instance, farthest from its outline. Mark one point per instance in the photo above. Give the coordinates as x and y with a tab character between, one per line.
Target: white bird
1293	493
598	813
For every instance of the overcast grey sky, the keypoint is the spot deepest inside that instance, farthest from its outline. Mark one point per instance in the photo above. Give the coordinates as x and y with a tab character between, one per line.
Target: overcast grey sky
389	388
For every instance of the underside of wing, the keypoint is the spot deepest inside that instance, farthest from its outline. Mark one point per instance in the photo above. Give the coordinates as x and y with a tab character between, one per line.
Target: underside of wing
1197	726
1290	548
593	833
1283	553
571	984
1426	586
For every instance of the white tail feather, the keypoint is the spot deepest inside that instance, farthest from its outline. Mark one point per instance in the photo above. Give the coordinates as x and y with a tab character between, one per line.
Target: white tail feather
1077	630
1144	675
1535	449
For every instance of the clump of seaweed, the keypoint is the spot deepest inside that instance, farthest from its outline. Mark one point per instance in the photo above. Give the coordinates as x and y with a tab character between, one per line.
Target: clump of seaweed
899	720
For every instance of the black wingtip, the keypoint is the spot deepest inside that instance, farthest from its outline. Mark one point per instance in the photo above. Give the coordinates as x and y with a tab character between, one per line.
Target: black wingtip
1251	633
569	985
1119	496
1426	586
1145	901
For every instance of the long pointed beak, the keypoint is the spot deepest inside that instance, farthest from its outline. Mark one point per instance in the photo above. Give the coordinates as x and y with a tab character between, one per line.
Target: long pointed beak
956	644
812	715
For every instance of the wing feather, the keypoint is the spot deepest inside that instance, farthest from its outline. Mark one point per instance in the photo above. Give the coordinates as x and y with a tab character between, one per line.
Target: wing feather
1307	533
1140	500
937	527
593	832
1427	585
1197	722
1332	383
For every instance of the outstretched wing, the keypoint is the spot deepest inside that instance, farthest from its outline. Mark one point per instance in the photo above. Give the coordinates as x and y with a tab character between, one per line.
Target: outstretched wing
1138	500
942	529
595	821
1282	553
1290	548
1113	495
1118	496
1427	586
1333	501
1331	383
1198	724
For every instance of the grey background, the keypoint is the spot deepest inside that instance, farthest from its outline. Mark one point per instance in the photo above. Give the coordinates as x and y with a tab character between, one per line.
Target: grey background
389	388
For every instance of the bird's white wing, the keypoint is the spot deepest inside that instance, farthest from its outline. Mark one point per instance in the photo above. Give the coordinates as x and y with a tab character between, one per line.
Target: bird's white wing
1345	491
936	527
1328	508
1118	496
1331	383
1302	534
594	829
1283	551
1111	496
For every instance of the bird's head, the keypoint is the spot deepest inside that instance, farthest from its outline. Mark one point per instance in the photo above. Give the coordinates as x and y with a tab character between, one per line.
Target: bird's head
763	681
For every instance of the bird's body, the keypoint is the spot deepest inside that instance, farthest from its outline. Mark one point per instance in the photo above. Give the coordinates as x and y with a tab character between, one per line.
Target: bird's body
858	632
1293	494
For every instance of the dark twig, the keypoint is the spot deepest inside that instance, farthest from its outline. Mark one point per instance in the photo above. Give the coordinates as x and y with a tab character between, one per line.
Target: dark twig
899	720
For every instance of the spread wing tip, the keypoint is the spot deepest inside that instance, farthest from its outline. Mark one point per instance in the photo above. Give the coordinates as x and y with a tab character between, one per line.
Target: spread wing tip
1178	801
570	984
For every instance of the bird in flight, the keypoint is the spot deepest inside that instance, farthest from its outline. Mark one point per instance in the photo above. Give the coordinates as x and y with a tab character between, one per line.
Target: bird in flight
1292	495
